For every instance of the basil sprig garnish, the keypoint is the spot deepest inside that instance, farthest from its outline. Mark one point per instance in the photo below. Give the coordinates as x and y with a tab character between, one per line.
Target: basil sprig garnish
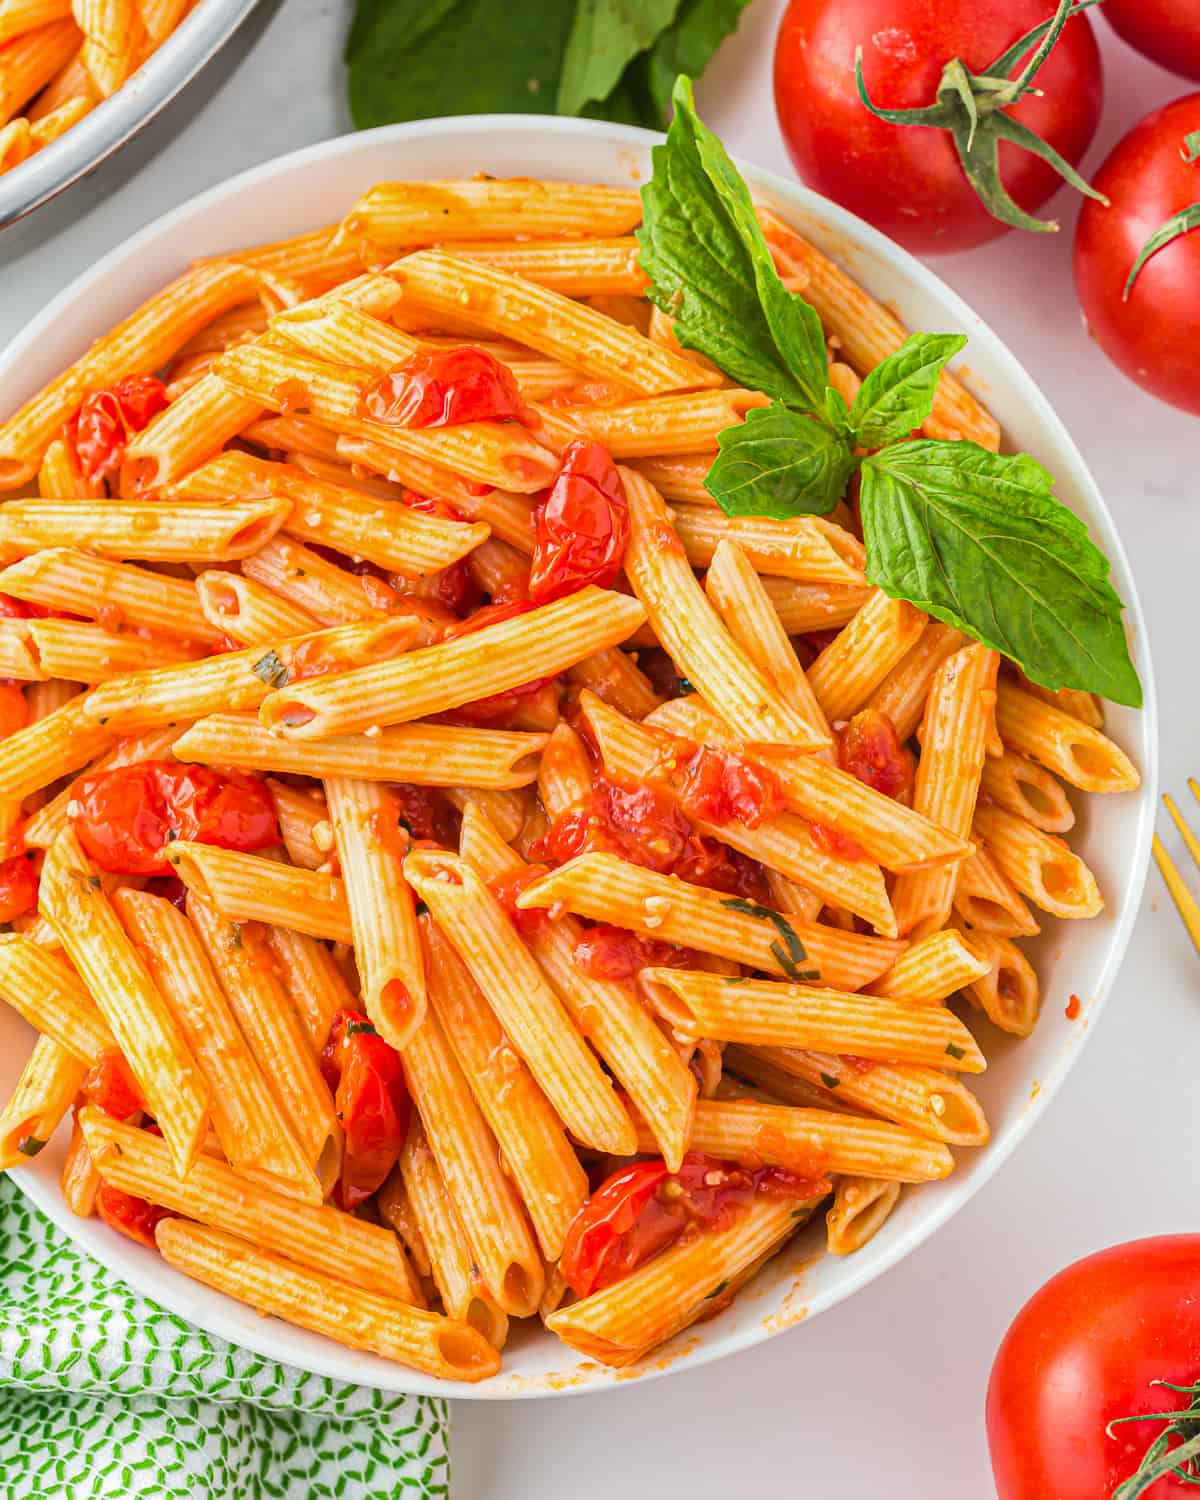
976	539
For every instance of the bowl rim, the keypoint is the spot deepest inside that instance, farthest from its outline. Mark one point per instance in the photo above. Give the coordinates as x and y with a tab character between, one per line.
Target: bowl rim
117	119
170	1288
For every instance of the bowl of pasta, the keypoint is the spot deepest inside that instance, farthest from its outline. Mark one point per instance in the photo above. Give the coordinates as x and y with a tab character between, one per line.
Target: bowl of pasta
490	883
76	85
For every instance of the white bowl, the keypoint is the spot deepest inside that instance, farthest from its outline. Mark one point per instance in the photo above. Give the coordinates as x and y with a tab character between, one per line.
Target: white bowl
82	148
315	186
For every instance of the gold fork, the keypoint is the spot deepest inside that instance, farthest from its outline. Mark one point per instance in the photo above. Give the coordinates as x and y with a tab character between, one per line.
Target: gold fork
1189	908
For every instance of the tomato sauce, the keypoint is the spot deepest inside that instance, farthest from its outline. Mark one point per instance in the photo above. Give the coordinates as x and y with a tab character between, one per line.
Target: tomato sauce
100	430
607	952
869	749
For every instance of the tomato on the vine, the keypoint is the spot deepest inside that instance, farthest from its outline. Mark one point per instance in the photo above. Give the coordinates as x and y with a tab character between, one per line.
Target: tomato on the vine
1114	1337
910	182
1167	31
1150	329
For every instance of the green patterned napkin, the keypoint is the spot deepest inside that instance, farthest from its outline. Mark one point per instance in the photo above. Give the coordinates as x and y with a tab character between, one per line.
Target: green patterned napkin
103	1394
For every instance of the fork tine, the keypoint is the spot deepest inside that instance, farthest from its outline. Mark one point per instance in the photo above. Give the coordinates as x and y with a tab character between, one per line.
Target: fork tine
1189	838
1189	909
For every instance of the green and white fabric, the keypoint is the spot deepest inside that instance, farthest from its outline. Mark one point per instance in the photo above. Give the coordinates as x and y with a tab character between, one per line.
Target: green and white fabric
104	1395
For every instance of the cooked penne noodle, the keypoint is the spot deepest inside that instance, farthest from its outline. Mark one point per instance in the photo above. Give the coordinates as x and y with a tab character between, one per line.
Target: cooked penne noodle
615	676
530	1135
564	772
250	888
79	1181
851	667
804	607
330	594
608	889
19	660
303	819
806	548
526	1006
769	1014
1080	754
1028	791
235	680
507	655
580	268
156	531
985	898
479	1193
56	745
380	1324
1080	705
248	612
902	693
953	750
20	16
82	583
82	652
371	843
1008	992
247	1120
458	1282
507	812
38	1104
43	987
29	61
666	425
931	970
74	902
1039	864
61	478
313	980
860	1208
606	1011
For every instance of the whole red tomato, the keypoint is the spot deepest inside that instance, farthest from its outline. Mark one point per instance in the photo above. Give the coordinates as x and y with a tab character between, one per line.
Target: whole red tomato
1083	1354
906	180
1168	31
1153	334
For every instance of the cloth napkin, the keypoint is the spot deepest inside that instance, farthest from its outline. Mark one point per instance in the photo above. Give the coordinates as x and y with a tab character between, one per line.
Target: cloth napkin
104	1395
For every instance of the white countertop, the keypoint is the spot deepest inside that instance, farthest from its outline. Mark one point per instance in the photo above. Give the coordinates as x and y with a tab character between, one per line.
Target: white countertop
882	1397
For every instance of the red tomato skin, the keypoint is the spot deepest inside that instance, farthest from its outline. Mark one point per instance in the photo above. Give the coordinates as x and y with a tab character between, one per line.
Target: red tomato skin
111	1086
908	181
869	750
607	952
581	526
123	816
14	710
100	429
371	1101
1154	337
18	888
443	389
1083	1351
133	1217
1167	31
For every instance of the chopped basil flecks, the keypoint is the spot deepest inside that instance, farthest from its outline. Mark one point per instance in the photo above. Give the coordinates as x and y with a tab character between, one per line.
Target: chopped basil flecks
270	669
360	1028
955	1052
795	955
830	1081
30	1146
721	1286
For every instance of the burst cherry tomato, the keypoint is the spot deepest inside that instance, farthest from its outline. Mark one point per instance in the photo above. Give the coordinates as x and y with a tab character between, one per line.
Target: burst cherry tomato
1084	1353
719	788
372	1104
127	818
18	888
1166	30
444	388
111	1086
14	709
582	526
869	749
100	429
607	952
424	813
1150	330
640	1210
907	180
529	921
128	1215
498	705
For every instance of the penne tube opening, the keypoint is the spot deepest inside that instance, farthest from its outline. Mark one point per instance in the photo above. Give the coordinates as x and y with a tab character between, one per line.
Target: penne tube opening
464	1355
487	1318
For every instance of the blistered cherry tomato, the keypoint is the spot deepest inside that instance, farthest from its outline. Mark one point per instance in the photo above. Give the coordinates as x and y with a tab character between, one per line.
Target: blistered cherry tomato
717	787
127	818
443	389
14	710
128	1215
582	526
424	814
607	952
100	429
869	749
111	1086
529	921
18	888
371	1101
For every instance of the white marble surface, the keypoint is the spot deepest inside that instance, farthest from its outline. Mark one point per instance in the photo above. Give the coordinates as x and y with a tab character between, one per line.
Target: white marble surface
882	1397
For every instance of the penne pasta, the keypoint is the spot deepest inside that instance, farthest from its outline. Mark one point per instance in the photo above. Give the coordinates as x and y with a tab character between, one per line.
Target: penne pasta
155	531
83	583
860	1208
38	1104
1028	791
852	666
1076	751
250	888
1039	864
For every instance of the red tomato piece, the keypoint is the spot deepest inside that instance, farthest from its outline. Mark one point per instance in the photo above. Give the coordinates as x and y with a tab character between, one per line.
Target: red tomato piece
100	429
424	813
128	1215
1166	30
1072	1008
126	818
14	710
717	787
1083	1355
444	388
372	1104
1153	333
840	845
18	887
638	823
607	952
642	1209
528	921
707	862
869	749
581	526
909	181
111	1086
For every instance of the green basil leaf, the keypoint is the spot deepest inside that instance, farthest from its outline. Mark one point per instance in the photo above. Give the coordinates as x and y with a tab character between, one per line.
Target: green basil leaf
898	393
411	59
606	36
686	46
779	463
978	540
711	270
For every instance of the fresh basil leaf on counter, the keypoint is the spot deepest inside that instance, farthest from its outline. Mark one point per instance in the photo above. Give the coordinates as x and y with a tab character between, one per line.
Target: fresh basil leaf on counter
699	28
897	395
606	36
711	271
780	463
978	540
